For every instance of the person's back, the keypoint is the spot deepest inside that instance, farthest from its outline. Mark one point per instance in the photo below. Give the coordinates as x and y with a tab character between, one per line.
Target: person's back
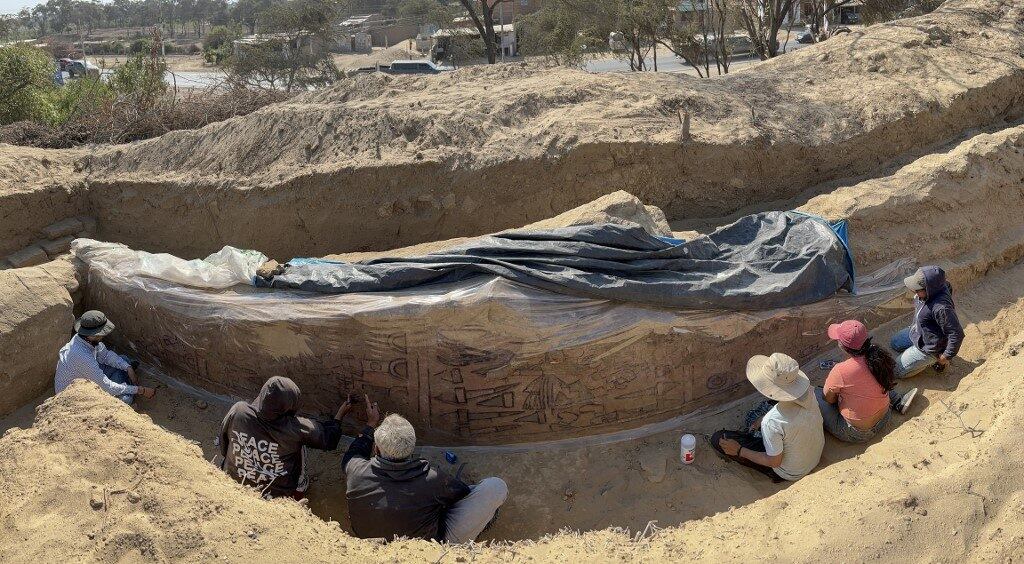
262	441
393	494
399	499
862	400
794	428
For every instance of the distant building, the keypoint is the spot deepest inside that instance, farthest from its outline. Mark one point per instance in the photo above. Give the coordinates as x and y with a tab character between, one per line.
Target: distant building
425	36
847	14
688	11
442	39
283	41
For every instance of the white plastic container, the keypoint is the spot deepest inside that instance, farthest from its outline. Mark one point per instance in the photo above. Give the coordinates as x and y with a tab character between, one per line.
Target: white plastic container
687	446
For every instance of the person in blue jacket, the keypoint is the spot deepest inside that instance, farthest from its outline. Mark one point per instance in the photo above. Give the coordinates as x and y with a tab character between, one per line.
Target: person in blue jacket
935	336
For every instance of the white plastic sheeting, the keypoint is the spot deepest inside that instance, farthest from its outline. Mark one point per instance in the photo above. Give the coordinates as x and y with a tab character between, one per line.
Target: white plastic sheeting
226	268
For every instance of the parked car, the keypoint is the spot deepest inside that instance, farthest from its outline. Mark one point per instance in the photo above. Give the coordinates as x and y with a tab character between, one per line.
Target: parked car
78	69
406	67
808	35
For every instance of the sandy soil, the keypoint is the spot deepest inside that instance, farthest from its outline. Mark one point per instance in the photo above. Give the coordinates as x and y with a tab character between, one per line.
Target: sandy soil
176	63
399	161
406	160
930	478
380	55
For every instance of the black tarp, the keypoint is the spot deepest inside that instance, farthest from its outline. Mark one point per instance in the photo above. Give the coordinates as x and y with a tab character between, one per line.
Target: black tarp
762	261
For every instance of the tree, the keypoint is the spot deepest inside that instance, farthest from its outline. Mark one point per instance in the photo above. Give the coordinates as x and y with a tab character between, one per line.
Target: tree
820	10
641	23
482	14
218	43
763	19
704	38
568	31
248	12
26	84
292	52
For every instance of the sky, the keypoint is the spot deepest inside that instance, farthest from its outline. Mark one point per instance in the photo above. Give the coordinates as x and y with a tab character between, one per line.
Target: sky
13	6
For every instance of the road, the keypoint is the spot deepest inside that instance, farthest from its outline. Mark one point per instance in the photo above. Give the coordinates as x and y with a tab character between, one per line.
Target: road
194	79
670	63
666	63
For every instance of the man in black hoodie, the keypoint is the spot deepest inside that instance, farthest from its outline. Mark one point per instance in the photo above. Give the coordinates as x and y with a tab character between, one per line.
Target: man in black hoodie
935	335
393	494
262	442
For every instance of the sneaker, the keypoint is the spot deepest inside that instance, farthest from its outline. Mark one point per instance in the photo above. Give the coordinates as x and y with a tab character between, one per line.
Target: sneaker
906	399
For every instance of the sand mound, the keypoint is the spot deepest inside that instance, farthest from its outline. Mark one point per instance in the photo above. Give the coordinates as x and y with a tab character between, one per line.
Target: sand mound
377	56
618	207
379	162
960	208
404	160
929	490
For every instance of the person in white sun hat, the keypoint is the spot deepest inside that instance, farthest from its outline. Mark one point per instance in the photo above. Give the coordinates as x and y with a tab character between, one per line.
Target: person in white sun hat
791	437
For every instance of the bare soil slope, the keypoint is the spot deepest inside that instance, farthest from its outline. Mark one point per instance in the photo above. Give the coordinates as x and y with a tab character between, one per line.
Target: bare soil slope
945	485
378	162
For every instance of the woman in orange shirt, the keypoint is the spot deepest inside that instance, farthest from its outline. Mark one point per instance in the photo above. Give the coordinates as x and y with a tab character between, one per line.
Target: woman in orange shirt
858	396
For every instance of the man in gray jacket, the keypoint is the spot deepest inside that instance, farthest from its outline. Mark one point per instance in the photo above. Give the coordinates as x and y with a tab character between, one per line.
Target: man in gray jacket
935	336
393	494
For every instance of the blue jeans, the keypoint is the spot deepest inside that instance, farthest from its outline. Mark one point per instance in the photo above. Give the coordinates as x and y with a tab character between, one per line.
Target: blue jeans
121	377
911	359
840	428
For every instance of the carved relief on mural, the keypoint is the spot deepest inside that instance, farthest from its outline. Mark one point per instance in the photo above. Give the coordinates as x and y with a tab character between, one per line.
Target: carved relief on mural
462	383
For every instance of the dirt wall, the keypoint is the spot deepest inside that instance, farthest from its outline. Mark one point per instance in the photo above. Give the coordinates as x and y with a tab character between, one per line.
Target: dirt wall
37	188
960	208
381	162
36	318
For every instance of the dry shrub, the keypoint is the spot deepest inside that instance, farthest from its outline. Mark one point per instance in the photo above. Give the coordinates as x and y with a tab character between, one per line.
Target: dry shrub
126	119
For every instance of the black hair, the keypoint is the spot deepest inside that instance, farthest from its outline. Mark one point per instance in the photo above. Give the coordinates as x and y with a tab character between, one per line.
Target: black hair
880	363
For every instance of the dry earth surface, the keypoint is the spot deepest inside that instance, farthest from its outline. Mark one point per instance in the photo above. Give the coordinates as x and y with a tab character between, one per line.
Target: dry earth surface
909	130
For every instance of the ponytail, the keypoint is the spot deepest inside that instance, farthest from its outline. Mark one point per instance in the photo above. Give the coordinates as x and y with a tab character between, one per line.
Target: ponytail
880	363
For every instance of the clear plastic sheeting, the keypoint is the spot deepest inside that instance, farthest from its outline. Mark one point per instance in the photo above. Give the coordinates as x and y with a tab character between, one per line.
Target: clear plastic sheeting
223	269
484	361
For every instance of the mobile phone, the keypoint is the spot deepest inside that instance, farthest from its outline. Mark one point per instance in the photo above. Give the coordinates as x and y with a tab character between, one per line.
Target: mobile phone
354	399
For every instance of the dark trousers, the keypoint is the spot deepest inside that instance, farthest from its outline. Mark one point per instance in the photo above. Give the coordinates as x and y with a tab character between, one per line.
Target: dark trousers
749	442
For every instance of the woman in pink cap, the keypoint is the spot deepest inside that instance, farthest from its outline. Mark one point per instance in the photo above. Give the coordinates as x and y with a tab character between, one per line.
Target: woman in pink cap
858	396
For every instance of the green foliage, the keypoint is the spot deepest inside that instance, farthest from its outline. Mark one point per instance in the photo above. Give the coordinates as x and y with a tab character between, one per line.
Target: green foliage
218	44
141	78
27	91
221	36
568	31
292	51
140	46
87	95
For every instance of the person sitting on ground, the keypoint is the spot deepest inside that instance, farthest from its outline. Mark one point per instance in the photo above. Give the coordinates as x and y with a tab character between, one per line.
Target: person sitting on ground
261	442
393	494
858	396
86	357
935	336
791	437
